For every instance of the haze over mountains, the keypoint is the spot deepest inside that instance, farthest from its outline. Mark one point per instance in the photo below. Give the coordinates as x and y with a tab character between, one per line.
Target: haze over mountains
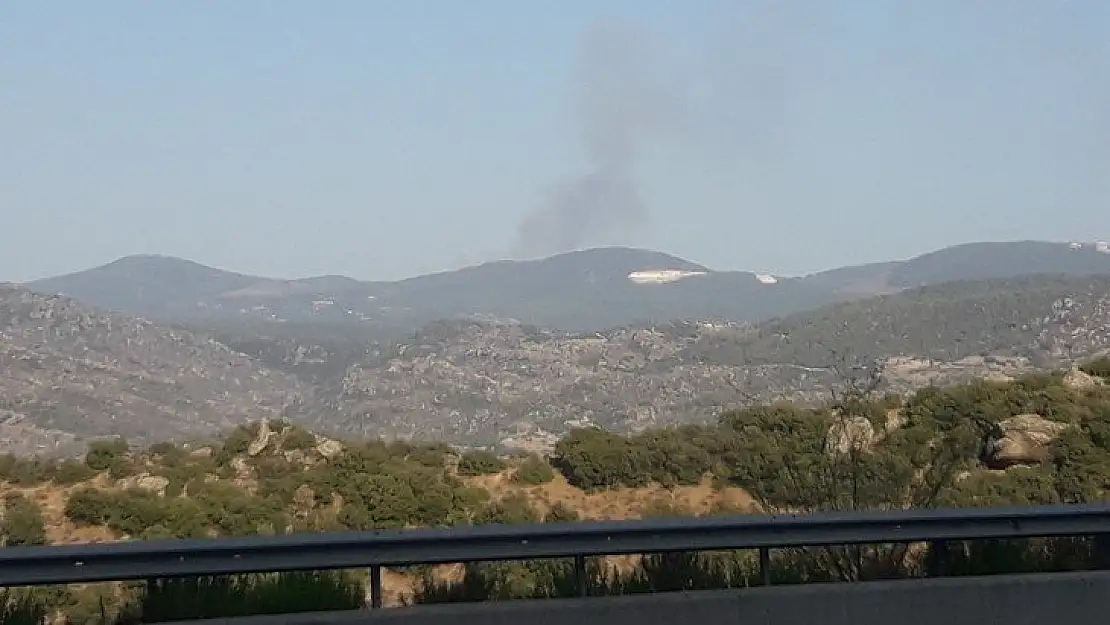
577	291
446	356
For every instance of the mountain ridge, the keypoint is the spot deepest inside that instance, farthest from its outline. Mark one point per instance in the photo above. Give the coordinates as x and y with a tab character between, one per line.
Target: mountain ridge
575	291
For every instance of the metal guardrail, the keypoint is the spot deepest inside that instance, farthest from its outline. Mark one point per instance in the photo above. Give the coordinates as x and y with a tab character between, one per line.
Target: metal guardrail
373	550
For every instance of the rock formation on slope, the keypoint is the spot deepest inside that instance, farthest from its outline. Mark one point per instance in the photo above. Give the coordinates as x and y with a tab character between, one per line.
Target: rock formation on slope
69	372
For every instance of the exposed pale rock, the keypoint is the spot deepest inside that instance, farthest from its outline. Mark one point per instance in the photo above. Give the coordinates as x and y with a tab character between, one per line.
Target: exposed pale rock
1021	440
201	452
145	481
261	440
849	433
1080	381
328	448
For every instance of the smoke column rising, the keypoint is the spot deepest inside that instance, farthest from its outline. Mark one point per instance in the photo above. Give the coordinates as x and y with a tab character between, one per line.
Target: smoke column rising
623	105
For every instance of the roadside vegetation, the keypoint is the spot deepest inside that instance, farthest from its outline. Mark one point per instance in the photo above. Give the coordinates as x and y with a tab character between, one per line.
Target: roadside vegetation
1040	439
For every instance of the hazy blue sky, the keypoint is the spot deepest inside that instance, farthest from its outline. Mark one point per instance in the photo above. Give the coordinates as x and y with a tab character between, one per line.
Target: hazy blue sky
382	139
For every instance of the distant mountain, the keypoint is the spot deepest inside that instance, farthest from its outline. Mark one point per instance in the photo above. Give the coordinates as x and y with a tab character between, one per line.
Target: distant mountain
583	290
989	261
970	261
577	291
146	285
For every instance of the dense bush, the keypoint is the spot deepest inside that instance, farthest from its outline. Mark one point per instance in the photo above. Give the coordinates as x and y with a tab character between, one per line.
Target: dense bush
533	471
68	472
22	471
108	455
473	463
1098	368
298	438
21	523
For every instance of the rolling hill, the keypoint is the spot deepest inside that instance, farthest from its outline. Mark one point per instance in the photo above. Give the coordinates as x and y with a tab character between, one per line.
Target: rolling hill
576	291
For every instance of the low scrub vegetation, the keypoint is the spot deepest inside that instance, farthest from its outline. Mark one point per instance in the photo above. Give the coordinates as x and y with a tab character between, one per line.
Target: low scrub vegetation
1041	439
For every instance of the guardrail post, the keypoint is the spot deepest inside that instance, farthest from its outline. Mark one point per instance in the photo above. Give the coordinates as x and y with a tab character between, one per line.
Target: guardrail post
765	565
580	575
1102	551
938	559
375	586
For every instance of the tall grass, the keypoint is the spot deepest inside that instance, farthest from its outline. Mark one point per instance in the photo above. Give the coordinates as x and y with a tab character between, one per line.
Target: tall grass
20	609
736	569
215	597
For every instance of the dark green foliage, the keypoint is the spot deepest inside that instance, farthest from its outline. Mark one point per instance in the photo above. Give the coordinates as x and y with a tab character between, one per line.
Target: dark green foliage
21	608
222	597
107	455
381	490
22	471
21	523
139	513
298	438
1099	368
433	455
474	463
593	459
511	510
68	472
561	513
533	471
236	443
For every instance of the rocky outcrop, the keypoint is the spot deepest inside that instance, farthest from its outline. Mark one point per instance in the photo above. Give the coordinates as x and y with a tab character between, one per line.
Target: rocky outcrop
327	447
1024	439
145	481
1080	381
261	440
847	434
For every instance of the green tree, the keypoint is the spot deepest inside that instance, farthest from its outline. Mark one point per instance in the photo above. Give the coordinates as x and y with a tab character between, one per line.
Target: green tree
109	455
533	471
473	463
22	522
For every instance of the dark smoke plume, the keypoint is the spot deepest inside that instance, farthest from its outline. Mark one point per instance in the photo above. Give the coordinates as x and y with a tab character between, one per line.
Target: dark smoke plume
623	105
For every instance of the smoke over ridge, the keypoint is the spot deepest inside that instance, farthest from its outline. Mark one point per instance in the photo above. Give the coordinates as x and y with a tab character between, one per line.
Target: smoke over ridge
623	106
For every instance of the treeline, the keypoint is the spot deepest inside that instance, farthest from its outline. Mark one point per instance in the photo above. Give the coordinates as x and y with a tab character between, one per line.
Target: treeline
857	453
